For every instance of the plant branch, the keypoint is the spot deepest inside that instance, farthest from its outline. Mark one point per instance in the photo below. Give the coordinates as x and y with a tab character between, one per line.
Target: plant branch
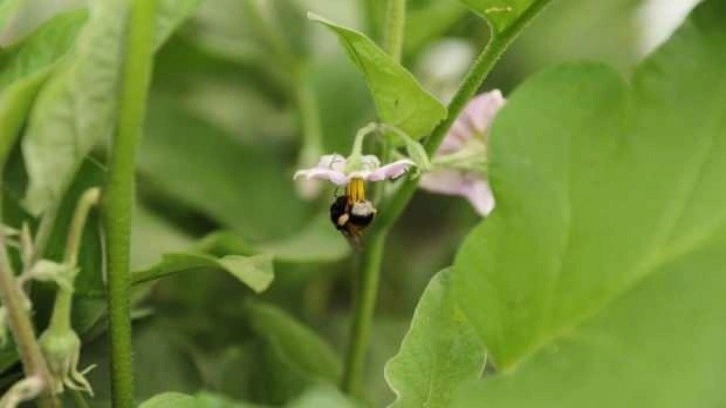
22	328
120	194
395	26
365	305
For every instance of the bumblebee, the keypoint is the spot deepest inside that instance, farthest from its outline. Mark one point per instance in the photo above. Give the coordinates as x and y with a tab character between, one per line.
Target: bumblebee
352	213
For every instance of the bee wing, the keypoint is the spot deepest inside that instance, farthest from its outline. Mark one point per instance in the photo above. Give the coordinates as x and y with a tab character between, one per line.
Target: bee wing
355	237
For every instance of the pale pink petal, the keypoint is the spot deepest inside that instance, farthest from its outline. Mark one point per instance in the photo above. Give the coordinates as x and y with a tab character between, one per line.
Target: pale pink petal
370	162
335	177
391	170
474	121
468	185
333	161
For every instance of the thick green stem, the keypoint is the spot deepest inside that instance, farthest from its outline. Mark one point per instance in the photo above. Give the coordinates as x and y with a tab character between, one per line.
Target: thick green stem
22	329
365	305
395	28
392	209
119	196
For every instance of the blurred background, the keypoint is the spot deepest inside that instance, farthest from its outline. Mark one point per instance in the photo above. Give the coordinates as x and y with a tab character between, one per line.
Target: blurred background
242	96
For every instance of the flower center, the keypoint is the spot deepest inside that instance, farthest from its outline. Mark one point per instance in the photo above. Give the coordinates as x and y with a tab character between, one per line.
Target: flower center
355	190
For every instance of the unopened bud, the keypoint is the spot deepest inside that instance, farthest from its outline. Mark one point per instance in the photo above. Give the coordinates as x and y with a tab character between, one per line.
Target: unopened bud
62	350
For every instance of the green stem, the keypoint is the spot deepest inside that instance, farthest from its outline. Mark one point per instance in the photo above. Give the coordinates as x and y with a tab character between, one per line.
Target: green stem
393	208
120	194
370	271
61	319
22	329
395	24
365	306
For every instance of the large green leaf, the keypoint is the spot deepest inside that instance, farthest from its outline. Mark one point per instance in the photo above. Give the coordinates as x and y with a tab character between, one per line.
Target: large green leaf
77	107
399	98
502	14
440	352
241	186
296	344
170	400
25	66
599	278
254	271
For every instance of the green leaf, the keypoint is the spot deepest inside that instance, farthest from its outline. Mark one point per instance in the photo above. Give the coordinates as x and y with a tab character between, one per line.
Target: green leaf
296	344
7	11
241	186
399	98
322	397
170	400
502	14
77	107
254	271
440	352
25	67
599	278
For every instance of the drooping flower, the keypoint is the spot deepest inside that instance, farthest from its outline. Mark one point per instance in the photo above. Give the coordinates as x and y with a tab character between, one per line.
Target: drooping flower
460	162
339	171
352	212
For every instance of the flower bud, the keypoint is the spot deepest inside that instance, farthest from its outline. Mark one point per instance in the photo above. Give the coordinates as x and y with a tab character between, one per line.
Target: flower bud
62	349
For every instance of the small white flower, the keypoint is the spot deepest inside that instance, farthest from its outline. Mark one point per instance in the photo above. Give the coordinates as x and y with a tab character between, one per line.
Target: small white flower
340	171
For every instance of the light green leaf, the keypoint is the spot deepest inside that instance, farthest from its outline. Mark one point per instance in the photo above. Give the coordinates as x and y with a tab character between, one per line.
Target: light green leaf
599	278
440	352
298	345
399	98
170	400
77	107
502	14
322	397
254	271
7	11
25	66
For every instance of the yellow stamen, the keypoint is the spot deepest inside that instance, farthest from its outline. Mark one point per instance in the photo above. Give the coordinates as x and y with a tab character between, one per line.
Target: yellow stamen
355	190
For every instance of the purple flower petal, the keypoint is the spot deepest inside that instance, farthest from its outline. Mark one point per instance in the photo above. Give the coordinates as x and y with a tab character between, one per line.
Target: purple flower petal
474	121
468	185
391	170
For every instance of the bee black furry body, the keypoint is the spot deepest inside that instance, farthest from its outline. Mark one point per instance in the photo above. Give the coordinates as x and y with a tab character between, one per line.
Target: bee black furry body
351	218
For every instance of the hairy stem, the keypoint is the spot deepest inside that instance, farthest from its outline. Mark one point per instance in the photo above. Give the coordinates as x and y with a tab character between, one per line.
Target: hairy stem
395	25
22	329
120	195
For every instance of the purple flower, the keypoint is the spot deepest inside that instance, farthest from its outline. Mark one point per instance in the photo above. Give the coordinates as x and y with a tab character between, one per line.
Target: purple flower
340	171
460	162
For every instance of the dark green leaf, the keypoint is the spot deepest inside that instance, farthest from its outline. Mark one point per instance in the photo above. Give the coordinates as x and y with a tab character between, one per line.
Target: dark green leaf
254	271
298	345
440	352
399	98
242	186
598	280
